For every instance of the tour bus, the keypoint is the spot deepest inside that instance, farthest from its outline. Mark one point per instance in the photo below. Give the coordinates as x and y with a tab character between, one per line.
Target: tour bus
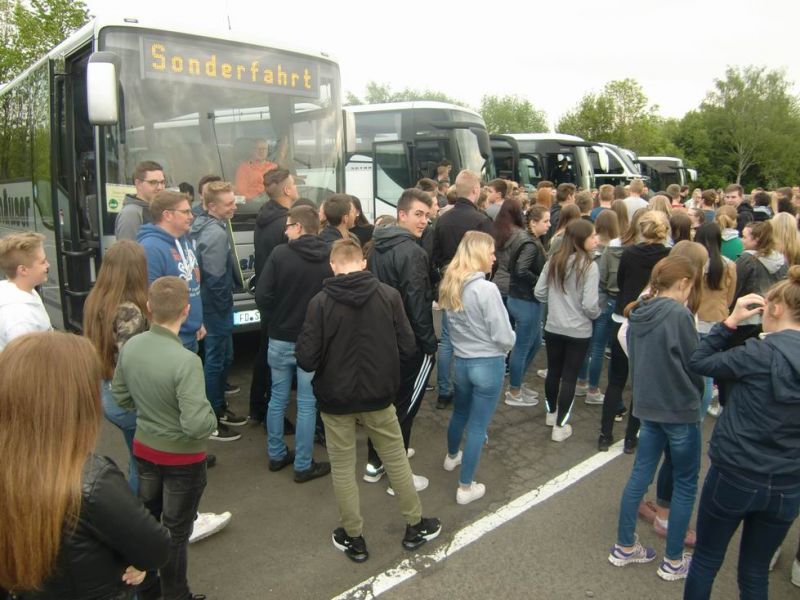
74	125
665	170
395	145
529	158
613	165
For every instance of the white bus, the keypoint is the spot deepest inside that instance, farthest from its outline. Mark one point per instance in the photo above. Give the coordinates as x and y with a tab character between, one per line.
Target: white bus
614	165
665	170
74	125
395	145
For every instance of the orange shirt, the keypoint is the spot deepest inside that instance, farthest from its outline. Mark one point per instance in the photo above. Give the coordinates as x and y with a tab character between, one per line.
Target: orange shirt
250	177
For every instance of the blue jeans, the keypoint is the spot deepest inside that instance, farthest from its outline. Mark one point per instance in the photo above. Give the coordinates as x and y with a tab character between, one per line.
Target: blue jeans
126	421
191	344
444	360
767	505
218	345
601	330
283	367
527	317
478	383
684	444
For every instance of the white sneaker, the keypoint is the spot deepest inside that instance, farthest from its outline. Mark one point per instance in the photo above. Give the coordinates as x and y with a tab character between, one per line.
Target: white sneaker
526	391
206	524
410	453
796	573
550	419
581	389
594	398
542	373
774	558
520	400
561	433
714	410
420	483
451	463
475	491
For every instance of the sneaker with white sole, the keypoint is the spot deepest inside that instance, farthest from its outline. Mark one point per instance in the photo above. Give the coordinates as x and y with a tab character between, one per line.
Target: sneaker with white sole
542	373
550	419
669	572
531	393
714	409
561	433
639	554
373	474
420	483
594	398
223	434
426	530
410	452
475	492
206	524
774	560
796	572
520	400
451	463
581	389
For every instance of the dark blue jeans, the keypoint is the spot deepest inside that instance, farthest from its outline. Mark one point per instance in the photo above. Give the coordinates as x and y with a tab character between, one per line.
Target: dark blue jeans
767	505
445	360
126	421
527	316
172	495
601	330
218	345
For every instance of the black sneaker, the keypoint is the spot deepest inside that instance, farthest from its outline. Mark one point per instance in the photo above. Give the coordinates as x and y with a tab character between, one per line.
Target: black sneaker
277	465
355	548
429	388
425	530
317	469
319	438
443	401
604	442
231	389
231	419
211	460
223	434
620	415
630	446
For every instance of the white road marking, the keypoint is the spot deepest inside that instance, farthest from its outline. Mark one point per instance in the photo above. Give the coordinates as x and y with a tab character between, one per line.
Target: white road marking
375	586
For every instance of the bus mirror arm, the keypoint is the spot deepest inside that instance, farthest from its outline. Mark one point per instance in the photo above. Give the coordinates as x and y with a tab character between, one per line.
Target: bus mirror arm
102	88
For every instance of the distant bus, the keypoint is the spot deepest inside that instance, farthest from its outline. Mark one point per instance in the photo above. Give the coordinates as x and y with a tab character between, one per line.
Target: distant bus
613	165
74	125
529	158
394	145
666	170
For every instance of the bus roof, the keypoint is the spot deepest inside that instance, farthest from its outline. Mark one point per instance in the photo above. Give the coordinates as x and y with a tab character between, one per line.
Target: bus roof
389	106
675	159
557	137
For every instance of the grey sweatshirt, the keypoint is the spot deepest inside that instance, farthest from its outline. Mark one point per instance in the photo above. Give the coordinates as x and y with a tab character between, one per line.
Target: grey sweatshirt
570	311
481	329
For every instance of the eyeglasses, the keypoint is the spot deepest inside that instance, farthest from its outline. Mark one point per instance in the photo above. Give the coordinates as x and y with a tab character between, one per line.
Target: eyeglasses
184	211
156	182
290	225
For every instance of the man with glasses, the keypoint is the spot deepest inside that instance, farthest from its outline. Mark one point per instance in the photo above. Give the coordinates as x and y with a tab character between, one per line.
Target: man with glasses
149	180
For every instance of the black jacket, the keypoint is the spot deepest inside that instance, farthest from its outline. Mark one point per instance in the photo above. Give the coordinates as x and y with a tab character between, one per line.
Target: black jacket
354	336
398	261
759	430
292	276
330	234
633	274
524	268
744	215
114	531
451	227
270	232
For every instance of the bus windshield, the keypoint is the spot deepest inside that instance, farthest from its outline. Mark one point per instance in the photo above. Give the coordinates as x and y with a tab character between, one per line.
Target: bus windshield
199	106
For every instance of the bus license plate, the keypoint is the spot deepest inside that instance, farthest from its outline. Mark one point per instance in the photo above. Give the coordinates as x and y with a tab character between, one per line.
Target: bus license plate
246	317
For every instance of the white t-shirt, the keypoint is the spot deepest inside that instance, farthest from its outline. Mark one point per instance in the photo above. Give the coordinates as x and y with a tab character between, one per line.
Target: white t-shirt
20	313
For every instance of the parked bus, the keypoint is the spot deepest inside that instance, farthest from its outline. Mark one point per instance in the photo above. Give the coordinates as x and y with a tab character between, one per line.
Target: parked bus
613	165
665	170
529	158
395	145
74	125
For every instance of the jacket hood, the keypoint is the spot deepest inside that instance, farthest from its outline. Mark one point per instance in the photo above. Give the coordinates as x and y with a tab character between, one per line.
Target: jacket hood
202	221
352	289
311	248
473	277
772	263
11	294
386	238
271	211
729	234
128	199
785	364
151	230
650	313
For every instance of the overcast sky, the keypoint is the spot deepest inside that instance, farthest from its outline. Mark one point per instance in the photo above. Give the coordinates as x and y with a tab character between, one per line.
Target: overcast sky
552	55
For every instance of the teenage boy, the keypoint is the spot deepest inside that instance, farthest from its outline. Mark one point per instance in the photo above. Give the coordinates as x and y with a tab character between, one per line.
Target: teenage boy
398	261
164	382
354	335
340	215
292	276
148	179
23	261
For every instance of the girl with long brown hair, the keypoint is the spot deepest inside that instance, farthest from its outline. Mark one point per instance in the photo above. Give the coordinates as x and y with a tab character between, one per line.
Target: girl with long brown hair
71	527
115	311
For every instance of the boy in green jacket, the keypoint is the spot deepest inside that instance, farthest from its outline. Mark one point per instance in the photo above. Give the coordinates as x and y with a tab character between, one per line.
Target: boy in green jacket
164	382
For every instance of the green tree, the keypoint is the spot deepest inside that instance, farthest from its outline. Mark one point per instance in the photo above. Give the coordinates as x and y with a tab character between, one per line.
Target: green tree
379	93
511	114
28	31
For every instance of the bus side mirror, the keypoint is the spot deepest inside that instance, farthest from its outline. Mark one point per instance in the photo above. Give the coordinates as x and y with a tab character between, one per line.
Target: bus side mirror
349	131
102	85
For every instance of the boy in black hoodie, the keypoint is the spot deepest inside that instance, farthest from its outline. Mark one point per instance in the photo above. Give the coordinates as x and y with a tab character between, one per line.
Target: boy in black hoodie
292	276
354	335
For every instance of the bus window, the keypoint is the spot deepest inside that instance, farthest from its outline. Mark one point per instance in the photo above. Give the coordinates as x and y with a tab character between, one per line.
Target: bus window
427	155
562	169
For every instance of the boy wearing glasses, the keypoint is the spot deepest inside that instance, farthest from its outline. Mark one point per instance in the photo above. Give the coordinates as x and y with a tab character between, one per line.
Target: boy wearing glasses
149	180
292	275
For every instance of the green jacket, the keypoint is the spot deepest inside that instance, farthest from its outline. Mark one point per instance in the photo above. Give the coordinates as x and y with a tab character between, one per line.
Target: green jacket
164	382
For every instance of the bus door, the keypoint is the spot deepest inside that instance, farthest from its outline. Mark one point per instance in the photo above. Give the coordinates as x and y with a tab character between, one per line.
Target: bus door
75	189
391	174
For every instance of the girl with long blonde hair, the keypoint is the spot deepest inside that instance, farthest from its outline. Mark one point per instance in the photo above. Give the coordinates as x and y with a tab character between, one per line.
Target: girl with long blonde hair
481	336
787	239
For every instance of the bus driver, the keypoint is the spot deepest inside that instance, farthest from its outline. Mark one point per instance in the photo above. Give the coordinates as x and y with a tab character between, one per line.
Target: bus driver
250	174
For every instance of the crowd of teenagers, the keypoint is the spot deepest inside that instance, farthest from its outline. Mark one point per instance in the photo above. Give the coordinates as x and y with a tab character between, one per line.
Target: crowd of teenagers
694	298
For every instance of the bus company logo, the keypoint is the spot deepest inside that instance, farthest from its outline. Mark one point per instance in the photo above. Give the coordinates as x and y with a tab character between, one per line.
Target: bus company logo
113	204
238	66
15	210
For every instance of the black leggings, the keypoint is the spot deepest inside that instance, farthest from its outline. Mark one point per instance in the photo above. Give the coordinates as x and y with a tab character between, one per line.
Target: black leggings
617	377
564	359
